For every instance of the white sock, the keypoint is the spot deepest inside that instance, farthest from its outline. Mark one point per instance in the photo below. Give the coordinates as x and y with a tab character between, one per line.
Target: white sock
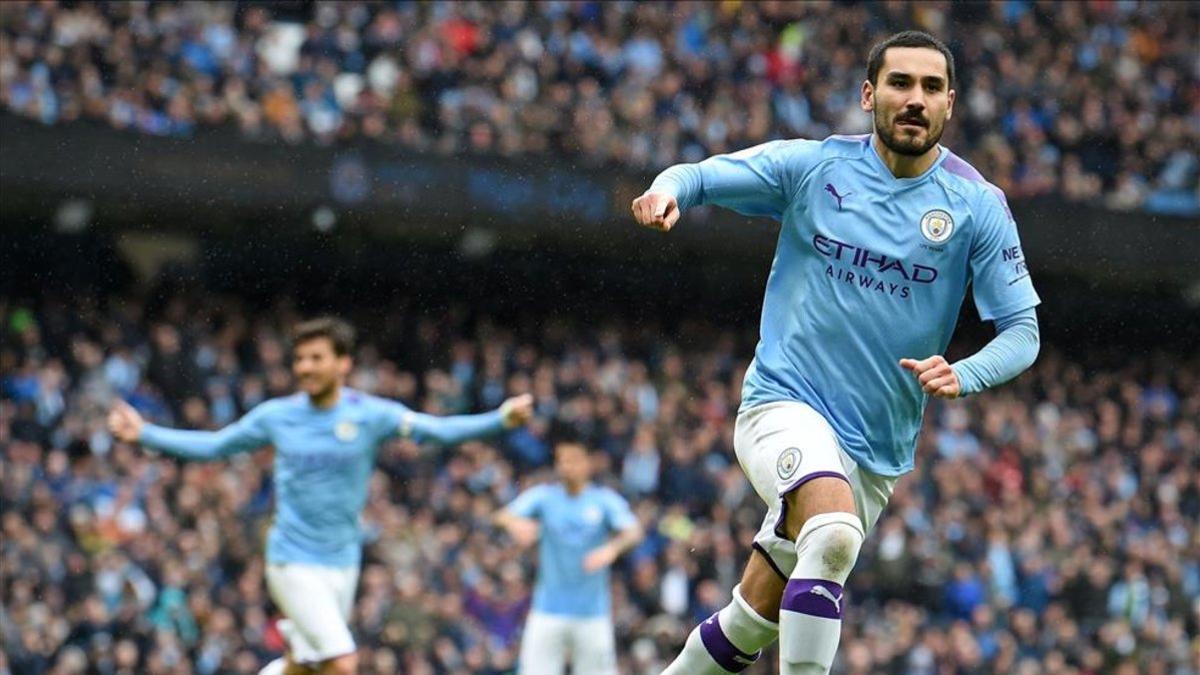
810	615
275	667
727	642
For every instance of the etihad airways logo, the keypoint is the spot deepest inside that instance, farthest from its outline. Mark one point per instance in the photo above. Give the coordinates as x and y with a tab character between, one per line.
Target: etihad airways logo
869	270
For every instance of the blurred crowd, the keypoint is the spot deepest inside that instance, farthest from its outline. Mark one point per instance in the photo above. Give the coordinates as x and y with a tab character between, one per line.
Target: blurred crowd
1051	526
1094	101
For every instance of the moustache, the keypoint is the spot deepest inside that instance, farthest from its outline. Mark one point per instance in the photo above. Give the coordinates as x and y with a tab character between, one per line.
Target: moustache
913	119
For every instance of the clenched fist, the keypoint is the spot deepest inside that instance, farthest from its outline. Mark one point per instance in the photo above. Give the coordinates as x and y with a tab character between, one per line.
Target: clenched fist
656	210
516	411
936	376
125	423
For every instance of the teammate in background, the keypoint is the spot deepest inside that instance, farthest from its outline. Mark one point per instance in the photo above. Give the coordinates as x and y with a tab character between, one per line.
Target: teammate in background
881	236
574	522
326	438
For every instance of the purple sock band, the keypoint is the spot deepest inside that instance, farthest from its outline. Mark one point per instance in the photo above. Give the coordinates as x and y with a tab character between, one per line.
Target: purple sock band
814	597
721	649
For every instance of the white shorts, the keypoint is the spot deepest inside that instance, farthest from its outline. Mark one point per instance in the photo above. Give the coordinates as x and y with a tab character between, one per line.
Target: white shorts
783	445
316	602
549	638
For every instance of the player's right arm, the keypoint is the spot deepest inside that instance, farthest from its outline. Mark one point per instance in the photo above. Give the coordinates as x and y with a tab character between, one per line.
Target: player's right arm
520	517
757	181
248	433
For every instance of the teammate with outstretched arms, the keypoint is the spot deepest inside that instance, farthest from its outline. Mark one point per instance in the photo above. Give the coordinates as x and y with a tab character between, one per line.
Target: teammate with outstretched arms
580	528
881	236
326	438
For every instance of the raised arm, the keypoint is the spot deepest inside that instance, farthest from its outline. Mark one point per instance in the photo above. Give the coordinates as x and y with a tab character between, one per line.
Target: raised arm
244	435
454	429
757	181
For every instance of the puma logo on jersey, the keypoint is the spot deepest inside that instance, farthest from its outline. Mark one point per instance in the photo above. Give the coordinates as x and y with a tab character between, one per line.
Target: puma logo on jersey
833	191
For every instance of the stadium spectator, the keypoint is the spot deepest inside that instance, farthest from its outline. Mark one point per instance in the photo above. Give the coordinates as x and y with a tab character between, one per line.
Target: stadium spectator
1093	101
1062	537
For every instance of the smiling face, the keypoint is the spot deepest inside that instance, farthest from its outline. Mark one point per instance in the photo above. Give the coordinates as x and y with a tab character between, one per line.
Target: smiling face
910	99
319	370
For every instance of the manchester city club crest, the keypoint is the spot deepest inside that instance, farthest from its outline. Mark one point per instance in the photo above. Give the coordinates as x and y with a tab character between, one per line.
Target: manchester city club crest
592	515
346	431
937	226
789	461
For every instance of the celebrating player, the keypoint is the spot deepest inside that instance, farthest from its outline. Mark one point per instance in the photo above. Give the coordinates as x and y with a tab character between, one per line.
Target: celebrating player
325	440
572	521
881	234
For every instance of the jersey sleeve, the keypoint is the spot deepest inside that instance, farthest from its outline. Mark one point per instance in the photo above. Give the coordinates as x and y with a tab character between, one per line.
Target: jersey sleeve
400	420
529	503
1014	349
248	433
1000	279
617	513
757	181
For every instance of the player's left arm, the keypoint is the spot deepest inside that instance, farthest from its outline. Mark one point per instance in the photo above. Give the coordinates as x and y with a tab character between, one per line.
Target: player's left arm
453	429
1003	294
629	533
1014	349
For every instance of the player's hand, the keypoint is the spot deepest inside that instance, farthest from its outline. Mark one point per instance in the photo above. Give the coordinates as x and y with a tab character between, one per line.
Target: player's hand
523	531
600	557
936	376
516	411
125	423
656	210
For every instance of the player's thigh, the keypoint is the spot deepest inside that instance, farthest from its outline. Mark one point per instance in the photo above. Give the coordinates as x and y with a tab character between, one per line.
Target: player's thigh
817	496
593	647
762	585
308	596
345	582
871	495
543	645
791	456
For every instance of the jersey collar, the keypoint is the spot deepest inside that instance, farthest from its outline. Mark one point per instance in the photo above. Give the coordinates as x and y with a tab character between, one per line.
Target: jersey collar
901	183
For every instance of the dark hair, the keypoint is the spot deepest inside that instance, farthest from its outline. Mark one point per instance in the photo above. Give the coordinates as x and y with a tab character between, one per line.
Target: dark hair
339	333
909	38
562	432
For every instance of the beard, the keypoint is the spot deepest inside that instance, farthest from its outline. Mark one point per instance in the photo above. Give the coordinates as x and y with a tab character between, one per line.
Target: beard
906	146
319	388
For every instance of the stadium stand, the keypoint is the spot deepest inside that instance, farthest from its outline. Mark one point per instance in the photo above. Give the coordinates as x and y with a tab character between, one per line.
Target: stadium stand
1093	101
1055	532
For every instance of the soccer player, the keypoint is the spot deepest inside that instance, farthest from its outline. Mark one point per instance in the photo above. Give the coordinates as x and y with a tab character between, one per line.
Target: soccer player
325	437
574	522
881	235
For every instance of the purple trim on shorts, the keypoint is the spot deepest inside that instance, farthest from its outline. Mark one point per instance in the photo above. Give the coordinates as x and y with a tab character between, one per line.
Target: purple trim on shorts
801	481
770	561
814	597
724	652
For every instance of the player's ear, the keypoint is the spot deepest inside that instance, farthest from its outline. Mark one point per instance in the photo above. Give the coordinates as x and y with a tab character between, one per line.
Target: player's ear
867	101
950	95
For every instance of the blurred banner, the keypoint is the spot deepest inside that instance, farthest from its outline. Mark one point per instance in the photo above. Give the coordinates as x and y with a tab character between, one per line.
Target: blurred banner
192	184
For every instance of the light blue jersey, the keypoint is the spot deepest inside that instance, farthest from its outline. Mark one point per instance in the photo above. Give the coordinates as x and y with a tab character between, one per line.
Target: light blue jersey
571	526
869	269
323	462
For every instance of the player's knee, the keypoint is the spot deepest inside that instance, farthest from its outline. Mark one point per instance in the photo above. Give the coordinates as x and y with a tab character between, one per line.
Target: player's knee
828	545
